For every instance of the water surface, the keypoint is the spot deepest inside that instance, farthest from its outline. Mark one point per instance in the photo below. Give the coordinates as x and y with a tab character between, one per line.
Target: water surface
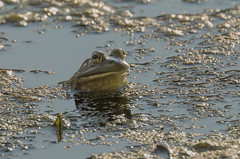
181	89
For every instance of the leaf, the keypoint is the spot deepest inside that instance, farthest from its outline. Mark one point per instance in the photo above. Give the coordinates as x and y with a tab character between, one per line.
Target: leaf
59	122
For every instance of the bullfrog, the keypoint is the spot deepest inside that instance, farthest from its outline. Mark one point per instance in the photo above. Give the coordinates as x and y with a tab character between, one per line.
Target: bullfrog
101	72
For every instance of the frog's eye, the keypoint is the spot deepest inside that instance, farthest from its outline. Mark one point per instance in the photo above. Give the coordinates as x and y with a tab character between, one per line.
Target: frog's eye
98	56
95	57
118	53
123	54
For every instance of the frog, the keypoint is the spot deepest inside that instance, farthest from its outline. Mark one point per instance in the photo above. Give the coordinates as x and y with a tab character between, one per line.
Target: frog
101	72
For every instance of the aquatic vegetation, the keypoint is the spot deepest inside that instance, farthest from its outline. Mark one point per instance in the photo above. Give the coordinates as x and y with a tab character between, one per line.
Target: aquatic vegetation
94	11
18	111
16	18
47	72
188	103
196	79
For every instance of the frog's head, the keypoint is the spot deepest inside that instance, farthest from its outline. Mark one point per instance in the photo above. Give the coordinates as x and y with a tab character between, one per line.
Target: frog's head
102	72
99	64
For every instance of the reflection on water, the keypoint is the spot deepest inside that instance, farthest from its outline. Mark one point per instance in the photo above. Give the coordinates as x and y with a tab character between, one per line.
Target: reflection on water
103	107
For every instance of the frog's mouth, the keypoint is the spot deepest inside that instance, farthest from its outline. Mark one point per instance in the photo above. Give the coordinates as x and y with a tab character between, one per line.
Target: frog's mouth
105	70
102	82
104	75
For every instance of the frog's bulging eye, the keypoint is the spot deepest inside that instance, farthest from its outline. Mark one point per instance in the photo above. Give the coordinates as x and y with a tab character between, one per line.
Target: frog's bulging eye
95	56
118	53
98	56
123	55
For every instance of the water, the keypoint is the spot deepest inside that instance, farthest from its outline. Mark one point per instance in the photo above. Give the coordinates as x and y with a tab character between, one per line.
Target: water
174	107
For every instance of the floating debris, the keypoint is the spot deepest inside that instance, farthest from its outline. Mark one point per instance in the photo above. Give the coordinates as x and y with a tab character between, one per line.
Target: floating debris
185	92
161	151
14	70
19	112
47	72
59	125
204	146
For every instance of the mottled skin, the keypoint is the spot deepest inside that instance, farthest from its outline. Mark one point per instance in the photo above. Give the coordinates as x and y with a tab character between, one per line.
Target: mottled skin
101	72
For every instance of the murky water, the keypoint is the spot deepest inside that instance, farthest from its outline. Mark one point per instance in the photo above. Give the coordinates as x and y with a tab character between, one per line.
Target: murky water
183	86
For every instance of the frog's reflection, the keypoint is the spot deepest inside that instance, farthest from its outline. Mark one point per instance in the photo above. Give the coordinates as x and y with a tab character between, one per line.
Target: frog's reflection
101	108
